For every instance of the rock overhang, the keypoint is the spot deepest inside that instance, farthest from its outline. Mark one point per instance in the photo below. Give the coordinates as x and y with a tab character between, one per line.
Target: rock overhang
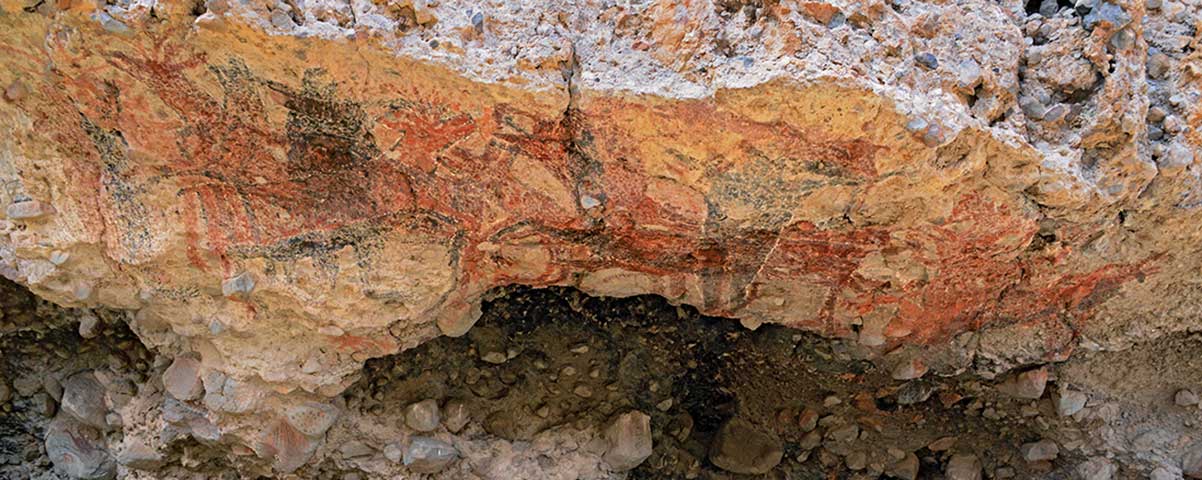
367	193
373	188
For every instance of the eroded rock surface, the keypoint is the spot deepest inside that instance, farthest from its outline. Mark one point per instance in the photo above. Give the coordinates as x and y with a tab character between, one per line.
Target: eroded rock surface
271	194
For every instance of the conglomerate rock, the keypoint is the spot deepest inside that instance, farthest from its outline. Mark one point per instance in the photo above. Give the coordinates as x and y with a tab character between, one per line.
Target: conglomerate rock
279	191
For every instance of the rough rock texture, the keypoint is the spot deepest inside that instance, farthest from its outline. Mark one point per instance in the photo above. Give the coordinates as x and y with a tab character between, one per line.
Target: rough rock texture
278	192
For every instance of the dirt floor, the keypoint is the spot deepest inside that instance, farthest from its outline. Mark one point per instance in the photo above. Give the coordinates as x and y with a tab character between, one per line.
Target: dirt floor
573	358
546	359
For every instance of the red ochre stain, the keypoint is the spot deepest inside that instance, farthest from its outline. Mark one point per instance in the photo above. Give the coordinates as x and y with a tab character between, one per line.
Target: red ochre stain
354	343
243	182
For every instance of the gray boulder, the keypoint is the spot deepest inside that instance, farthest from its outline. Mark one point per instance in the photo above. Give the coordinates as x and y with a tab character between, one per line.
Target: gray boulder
78	450
83	398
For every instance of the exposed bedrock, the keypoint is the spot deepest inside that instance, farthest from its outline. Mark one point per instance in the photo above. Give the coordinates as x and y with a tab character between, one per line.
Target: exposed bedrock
273	193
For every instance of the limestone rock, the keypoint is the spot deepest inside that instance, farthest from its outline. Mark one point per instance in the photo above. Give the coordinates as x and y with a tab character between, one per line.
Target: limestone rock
740	447
629	439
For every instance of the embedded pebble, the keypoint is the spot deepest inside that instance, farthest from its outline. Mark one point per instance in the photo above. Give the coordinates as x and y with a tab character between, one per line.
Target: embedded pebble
933	136
88	325
844	434
968	74
239	285
1049	8
906	468
28	210
1105	12
455	416
43	404
1027	385
1185	398
1097	468
312	418
355	448
909	369
1032	108
489	342
1191	461
740	447
16	91
927	60
1158	65
808	420
856	460
428	455
1040	451
914	392
52	386
916	125
182	379
1069	402
393	452
963	466
422	416
138	455
629	441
